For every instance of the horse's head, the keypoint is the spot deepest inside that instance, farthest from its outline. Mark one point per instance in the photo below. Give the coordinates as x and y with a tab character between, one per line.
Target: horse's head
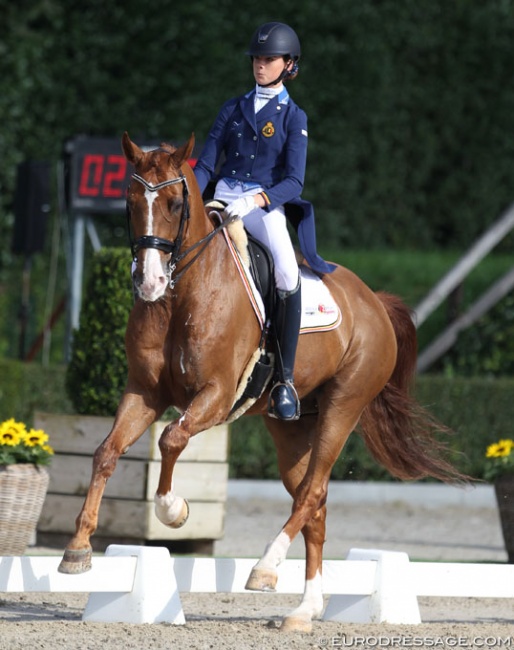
158	207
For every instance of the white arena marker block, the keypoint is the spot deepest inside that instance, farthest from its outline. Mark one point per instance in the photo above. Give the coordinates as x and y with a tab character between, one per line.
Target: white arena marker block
392	600
154	597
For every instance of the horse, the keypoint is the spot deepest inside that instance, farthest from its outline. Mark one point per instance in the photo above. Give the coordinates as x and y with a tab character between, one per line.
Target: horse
192	333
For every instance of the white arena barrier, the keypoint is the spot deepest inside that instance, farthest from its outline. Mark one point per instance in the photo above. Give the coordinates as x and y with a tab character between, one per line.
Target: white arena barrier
137	584
129	584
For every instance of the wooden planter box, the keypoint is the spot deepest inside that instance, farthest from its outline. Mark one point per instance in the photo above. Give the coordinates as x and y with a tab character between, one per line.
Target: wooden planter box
127	511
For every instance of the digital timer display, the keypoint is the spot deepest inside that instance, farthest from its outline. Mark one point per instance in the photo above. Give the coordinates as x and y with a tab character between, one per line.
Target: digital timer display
99	174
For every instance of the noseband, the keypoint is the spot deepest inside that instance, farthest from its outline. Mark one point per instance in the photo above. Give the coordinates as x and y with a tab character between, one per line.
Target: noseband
172	248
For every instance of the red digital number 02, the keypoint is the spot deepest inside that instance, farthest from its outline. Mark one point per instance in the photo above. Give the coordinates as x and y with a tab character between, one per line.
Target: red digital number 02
117	175
93	181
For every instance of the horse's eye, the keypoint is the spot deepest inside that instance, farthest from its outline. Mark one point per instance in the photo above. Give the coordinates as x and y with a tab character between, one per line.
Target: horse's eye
175	204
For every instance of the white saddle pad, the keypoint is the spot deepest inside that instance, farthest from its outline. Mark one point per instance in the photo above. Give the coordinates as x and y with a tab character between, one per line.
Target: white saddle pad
320	312
319	309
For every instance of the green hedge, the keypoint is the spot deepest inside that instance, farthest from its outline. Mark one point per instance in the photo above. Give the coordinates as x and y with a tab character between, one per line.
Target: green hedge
97	371
478	410
29	387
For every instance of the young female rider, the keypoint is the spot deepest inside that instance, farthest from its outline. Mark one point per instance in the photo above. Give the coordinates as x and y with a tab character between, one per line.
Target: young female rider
263	136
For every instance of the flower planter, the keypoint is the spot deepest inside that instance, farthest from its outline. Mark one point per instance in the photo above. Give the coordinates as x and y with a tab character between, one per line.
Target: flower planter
127	510
504	489
23	488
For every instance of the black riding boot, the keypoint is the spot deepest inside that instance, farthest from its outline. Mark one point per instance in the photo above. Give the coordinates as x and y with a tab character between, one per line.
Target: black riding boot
283	399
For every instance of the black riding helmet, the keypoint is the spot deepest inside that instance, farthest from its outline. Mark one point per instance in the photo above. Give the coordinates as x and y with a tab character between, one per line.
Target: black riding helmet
276	39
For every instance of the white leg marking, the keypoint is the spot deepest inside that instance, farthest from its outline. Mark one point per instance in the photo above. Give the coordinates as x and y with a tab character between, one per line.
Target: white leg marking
168	508
312	602
275	552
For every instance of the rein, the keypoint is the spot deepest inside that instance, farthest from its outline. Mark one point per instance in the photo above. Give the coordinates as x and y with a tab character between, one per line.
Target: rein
167	246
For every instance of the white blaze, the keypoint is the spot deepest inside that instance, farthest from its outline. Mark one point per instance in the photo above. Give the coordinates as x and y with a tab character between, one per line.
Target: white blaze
154	284
152	268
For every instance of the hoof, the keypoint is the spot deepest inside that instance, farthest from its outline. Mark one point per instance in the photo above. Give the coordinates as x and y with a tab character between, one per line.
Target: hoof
296	624
182	518
262	580
75	561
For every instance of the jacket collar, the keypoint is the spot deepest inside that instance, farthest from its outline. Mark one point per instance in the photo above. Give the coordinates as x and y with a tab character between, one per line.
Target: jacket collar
274	106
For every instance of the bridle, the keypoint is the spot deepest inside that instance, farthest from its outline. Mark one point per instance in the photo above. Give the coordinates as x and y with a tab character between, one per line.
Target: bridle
149	241
172	248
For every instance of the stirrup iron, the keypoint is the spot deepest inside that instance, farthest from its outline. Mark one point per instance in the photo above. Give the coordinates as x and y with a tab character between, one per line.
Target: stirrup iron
285	405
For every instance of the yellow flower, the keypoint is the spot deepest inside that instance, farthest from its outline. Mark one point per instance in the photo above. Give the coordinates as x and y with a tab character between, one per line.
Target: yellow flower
17	445
500	449
35	438
10	438
11	432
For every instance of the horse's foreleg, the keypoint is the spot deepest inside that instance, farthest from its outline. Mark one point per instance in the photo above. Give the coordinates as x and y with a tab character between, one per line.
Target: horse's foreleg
78	552
205	411
126	430
170	509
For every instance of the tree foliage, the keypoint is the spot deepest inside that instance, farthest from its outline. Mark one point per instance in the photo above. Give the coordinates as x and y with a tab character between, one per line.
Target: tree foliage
411	104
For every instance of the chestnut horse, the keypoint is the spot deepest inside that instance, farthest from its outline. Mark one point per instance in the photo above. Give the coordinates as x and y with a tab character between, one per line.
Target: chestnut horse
190	336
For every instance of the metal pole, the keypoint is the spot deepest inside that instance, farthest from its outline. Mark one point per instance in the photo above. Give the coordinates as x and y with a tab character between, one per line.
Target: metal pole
467	263
445	341
77	270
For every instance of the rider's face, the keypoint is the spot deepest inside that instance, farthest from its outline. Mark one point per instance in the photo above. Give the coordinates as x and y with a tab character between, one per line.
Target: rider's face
268	68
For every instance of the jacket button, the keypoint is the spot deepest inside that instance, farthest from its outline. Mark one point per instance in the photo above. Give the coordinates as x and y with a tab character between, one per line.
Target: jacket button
233	172
247	174
236	154
239	135
255	137
252	156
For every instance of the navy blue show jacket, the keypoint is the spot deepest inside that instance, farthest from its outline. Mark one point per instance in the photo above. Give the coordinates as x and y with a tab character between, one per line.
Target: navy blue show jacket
268	149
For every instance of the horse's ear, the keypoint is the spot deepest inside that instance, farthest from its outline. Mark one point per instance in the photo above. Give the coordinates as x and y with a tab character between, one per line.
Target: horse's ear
132	152
184	152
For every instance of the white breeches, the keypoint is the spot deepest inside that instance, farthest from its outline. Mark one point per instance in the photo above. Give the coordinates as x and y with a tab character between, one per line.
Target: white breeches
270	228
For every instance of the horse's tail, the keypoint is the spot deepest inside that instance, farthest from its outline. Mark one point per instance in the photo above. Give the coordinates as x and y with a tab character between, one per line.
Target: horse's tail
399	433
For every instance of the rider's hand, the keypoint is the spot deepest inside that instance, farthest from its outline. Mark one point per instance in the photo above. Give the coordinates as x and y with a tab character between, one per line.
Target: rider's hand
241	207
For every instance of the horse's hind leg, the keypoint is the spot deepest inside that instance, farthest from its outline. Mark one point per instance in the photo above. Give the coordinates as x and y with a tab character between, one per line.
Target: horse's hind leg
306	457
293	441
300	619
311	606
132	419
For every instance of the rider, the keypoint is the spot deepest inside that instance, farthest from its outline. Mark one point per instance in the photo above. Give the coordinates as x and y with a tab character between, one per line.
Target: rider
263	136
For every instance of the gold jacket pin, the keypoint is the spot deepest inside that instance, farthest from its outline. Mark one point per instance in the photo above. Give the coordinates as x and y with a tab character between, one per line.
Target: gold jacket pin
268	130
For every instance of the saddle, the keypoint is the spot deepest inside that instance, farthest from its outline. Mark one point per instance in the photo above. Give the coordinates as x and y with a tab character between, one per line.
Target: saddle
263	272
